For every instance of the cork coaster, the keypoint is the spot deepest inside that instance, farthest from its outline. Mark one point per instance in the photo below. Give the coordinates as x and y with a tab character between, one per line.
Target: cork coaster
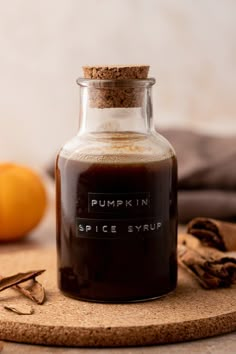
188	313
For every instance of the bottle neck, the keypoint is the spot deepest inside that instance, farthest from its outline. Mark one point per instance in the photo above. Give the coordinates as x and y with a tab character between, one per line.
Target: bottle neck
95	116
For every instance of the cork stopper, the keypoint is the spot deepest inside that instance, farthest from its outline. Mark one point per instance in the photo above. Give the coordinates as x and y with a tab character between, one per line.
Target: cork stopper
116	72
116	95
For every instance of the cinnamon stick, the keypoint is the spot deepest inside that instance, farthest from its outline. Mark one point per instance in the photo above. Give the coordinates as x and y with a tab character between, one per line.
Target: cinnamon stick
214	233
210	267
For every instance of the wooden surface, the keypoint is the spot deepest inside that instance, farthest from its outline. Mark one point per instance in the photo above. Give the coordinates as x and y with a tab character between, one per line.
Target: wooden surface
188	313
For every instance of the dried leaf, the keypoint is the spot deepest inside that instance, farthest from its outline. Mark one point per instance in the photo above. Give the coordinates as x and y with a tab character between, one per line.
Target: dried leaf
34	292
20	309
8	282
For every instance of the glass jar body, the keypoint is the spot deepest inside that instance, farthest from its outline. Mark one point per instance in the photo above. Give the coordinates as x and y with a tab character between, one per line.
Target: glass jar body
117	216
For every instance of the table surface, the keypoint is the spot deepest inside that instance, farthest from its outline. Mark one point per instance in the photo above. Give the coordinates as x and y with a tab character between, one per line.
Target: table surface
44	236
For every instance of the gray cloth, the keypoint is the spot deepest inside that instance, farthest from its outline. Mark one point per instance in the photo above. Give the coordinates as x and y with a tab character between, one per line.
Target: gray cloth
207	174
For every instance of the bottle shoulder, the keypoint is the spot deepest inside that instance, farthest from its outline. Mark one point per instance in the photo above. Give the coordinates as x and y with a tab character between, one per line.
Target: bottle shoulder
119	146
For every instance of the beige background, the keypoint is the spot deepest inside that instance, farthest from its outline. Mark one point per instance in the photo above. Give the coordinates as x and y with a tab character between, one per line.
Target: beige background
190	45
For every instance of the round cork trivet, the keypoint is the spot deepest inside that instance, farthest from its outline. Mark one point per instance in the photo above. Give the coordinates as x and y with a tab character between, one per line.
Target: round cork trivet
188	313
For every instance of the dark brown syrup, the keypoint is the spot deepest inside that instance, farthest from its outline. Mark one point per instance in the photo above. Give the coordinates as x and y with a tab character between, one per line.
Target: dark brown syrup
116	228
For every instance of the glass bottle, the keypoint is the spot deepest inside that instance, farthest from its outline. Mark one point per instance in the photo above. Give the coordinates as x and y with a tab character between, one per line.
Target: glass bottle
116	183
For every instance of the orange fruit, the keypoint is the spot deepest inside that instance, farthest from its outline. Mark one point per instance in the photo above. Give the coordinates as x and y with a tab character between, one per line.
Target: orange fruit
22	201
